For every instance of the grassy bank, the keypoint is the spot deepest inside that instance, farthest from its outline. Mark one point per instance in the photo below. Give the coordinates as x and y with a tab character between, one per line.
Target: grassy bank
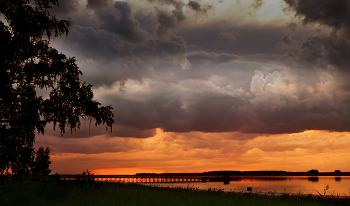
104	194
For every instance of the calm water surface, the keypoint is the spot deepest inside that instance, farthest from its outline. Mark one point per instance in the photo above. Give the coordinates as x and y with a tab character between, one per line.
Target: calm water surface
339	185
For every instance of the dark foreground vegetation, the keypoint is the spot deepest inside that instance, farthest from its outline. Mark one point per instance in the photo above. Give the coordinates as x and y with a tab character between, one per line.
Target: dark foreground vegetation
29	192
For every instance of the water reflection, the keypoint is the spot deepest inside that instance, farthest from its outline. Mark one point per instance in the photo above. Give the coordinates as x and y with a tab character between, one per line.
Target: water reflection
258	184
280	179
313	179
266	179
286	184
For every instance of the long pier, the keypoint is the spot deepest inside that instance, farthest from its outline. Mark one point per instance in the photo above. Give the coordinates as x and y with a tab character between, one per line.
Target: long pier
151	178
134	178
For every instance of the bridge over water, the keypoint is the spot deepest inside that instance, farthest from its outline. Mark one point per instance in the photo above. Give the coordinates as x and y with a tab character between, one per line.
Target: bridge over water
132	178
150	178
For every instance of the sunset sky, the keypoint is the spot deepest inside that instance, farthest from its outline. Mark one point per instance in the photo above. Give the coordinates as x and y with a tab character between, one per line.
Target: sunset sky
209	85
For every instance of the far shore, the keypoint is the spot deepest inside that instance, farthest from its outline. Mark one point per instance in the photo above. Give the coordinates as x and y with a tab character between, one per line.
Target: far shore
225	173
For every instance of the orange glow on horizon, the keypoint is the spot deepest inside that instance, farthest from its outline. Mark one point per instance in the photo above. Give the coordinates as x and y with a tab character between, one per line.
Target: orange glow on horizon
169	152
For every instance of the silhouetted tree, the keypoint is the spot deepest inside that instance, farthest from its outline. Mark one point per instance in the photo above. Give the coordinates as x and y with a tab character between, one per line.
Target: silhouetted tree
41	163
28	63
314	171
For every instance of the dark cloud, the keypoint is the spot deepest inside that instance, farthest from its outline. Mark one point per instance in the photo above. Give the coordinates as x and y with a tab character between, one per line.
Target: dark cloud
245	40
335	13
323	50
233	79
201	57
194	5
176	45
336	50
204	110
292	26
167	21
90	40
275	103
282	104
97	4
117	18
106	53
178	4
117	45
289	45
320	51
311	51
229	35
287	40
197	7
257	4
212	113
147	22
262	58
124	25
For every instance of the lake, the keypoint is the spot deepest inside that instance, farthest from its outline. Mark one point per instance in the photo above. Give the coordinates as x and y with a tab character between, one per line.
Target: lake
337	185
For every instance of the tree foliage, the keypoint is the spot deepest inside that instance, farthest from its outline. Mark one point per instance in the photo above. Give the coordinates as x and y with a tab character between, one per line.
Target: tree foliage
41	163
28	63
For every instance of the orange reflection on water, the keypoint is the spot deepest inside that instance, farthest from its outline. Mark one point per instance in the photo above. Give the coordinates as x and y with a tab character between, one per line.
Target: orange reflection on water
265	179
292	185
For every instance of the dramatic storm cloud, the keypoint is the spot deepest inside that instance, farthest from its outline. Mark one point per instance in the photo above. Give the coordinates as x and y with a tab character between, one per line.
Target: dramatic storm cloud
207	76
293	83
333	13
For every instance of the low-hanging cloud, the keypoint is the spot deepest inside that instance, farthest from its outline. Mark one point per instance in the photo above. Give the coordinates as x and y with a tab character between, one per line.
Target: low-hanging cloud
276	103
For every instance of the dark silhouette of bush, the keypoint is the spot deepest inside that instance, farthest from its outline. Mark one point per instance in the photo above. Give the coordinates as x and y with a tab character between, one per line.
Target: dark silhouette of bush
41	163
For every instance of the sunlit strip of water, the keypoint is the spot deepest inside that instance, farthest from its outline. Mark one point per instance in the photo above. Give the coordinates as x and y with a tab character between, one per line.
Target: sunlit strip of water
325	185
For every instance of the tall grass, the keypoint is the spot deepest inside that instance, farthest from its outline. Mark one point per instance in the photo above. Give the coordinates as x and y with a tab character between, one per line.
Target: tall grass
101	193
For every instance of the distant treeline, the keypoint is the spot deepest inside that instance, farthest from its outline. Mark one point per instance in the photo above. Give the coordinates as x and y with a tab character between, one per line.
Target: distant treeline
222	172
246	172
262	172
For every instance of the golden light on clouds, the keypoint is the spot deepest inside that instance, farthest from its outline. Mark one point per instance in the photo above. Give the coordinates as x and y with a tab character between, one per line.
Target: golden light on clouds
199	152
305	132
